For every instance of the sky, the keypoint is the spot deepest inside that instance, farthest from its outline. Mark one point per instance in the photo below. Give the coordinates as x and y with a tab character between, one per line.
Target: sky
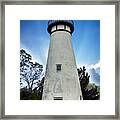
35	39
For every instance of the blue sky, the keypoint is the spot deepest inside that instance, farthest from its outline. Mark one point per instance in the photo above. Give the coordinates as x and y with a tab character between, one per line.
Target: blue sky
35	39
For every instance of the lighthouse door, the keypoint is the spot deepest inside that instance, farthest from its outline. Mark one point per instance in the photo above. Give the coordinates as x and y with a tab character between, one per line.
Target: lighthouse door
58	98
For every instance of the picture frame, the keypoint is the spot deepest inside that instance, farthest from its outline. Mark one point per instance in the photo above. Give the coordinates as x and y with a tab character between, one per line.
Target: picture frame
2	56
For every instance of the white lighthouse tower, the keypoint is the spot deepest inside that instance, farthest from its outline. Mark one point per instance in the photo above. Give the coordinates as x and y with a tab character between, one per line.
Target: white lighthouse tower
61	79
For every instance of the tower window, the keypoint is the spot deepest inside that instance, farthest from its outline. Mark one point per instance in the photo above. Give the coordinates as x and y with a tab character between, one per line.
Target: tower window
53	29
58	67
60	26
68	28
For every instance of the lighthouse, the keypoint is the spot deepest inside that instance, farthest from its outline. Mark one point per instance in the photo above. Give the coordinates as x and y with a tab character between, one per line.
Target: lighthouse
61	78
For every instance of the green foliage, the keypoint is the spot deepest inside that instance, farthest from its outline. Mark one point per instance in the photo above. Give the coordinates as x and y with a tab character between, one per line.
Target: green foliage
36	94
89	91
31	77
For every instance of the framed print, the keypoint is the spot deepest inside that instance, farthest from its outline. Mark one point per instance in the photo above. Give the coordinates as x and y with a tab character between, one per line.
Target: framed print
60	59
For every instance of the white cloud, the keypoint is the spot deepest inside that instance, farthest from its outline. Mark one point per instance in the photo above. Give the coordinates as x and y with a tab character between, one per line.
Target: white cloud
93	71
90	66
95	66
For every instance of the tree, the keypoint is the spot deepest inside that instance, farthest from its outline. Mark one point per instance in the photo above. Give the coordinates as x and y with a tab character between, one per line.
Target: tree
89	91
31	75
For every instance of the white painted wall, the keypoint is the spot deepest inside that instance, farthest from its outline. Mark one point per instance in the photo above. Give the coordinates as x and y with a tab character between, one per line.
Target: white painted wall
64	83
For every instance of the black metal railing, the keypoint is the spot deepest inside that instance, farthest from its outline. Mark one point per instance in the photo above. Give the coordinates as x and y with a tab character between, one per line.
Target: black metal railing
55	21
